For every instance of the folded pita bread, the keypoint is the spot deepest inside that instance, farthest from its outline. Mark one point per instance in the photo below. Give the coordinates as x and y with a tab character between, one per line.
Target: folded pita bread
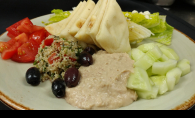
83	33
82	18
56	28
96	20
113	35
65	32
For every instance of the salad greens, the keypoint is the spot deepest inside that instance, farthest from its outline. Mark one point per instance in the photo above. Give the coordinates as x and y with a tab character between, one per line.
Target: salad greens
57	16
155	23
164	37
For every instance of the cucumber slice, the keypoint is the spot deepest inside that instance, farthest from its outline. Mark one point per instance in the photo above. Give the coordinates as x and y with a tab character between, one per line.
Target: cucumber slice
184	65
149	58
161	83
155	53
148	94
139	80
164	58
161	68
173	77
146	47
144	62
136	54
169	52
149	71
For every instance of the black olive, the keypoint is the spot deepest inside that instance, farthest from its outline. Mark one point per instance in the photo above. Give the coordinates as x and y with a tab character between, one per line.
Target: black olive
33	76
72	77
85	59
59	88
90	50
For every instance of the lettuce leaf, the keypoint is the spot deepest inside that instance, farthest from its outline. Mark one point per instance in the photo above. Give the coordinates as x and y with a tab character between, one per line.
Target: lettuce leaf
161	27
153	21
135	17
57	16
164	37
140	19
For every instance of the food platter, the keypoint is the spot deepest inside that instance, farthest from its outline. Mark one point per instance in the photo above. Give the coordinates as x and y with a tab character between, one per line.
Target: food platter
17	94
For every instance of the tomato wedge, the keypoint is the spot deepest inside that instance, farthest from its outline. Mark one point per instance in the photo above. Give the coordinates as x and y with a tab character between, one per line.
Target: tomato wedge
37	28
8	53
48	42
12	41
22	38
4	46
12	30
26	26
38	36
27	52
10	35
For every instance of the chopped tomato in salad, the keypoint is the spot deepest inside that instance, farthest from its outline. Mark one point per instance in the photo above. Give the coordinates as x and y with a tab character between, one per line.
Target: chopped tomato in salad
25	41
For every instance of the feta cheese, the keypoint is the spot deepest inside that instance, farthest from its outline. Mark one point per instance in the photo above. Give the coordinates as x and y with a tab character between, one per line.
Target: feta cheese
145	13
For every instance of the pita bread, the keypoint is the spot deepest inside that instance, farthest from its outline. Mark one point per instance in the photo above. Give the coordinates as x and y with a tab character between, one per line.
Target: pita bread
65	32
83	33
56	28
96	20
113	35
82	18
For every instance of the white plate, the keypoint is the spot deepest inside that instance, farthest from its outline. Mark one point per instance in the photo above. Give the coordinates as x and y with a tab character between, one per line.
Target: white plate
16	93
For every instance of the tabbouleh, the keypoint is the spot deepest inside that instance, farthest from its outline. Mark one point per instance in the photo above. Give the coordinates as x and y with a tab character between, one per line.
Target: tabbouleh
63	52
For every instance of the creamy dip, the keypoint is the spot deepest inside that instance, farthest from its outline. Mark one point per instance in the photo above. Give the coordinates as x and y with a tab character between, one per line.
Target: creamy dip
103	84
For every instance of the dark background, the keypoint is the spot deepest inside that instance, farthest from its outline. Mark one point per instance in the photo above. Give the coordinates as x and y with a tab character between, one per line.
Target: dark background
180	15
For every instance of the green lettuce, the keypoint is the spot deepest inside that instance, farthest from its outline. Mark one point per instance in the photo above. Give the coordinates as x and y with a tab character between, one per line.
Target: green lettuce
135	17
153	21
57	16
164	37
156	23
140	19
161	27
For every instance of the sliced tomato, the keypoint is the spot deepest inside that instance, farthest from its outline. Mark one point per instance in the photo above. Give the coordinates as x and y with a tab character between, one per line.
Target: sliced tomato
53	58
47	33
8	53
26	52
48	42
22	58
4	46
37	28
12	30
11	41
38	36
10	35
22	38
26	26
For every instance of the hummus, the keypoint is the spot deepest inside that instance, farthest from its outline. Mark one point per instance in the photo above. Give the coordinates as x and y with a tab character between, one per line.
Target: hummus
103	84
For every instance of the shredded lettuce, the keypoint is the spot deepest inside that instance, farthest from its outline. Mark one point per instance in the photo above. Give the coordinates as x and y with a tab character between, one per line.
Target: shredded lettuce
57	16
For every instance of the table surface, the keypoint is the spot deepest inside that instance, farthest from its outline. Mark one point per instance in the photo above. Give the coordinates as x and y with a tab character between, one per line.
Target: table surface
179	8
